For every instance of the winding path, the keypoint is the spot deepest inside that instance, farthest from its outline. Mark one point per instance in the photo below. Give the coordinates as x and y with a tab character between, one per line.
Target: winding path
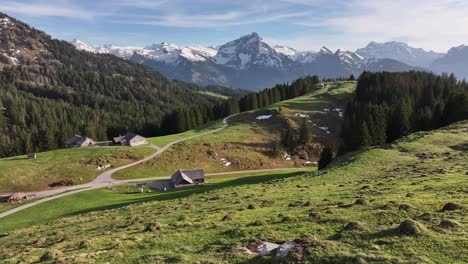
105	179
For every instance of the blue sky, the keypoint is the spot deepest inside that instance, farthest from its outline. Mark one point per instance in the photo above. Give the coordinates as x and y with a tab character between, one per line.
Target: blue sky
302	24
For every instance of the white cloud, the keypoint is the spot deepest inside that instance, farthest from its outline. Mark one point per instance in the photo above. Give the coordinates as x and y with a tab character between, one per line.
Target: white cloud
50	9
305	24
430	24
217	20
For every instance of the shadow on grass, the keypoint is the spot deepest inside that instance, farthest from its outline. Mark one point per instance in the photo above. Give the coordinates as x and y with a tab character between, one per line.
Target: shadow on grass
182	193
14	159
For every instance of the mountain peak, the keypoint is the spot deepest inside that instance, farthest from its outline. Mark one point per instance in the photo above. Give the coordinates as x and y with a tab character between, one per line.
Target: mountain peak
325	50
399	51
252	38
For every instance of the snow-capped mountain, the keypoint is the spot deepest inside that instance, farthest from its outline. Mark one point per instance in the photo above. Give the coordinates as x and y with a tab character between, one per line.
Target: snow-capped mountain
455	61
83	46
349	57
295	55
399	51
250	51
247	62
162	52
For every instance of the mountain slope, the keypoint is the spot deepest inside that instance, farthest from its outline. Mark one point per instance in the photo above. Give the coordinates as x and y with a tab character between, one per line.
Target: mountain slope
249	62
455	61
49	91
399	51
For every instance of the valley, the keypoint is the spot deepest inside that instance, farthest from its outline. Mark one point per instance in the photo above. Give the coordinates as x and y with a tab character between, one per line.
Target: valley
246	151
247	142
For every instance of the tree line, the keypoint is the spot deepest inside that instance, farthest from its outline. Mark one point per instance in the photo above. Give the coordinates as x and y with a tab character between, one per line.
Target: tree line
41	107
387	106
59	91
187	118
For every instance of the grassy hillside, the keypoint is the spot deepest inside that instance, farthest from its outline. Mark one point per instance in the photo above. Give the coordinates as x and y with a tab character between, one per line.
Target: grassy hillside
351	213
247	142
119	196
20	174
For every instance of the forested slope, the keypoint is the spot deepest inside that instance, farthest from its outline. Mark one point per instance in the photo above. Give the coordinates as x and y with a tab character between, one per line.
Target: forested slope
50	91
387	106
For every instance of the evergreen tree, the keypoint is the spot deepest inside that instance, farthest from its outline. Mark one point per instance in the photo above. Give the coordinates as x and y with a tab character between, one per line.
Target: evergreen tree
305	133
288	138
366	139
276	150
396	104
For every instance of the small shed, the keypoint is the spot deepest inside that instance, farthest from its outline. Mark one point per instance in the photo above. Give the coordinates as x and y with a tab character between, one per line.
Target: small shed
130	139
183	178
79	141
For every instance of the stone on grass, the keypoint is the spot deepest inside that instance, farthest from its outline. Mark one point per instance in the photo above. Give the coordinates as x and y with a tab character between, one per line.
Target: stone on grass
151	227
447	224
411	228
266	247
284	249
451	207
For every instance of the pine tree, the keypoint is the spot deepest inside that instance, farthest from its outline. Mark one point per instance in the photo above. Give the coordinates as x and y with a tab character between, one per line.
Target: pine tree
305	133
276	150
288	138
366	139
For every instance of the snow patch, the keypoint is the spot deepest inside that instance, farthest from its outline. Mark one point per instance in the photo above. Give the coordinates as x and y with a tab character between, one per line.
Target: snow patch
13	59
302	115
262	117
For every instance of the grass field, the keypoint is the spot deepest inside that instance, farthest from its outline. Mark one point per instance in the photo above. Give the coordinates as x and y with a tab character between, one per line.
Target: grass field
20	174
354	212
164	140
214	94
119	196
247	142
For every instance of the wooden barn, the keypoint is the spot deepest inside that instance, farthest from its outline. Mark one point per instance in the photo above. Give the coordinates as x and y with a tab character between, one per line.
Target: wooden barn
182	178
78	141
130	139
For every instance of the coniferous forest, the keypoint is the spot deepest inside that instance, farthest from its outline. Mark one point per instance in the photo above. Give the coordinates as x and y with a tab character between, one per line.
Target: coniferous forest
388	106
187	118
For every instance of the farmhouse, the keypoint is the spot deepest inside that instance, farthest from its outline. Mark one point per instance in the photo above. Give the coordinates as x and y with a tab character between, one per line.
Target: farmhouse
183	178
130	139
78	141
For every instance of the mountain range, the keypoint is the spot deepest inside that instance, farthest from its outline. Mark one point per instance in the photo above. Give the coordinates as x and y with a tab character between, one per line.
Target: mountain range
251	63
50	91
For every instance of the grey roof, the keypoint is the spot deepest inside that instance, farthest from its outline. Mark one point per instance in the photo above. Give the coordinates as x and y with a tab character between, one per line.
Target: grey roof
76	139
128	136
187	175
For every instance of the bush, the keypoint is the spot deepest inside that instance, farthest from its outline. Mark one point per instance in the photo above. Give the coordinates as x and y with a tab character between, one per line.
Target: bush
326	157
